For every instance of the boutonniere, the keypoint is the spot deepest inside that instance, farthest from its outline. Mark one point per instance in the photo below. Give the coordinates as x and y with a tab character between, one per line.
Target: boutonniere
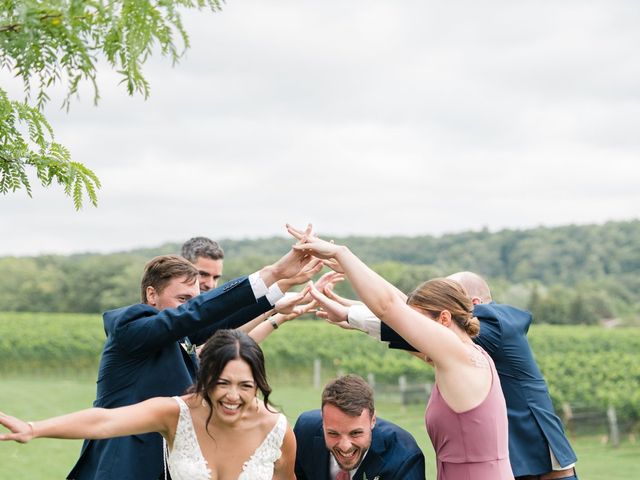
364	477
188	346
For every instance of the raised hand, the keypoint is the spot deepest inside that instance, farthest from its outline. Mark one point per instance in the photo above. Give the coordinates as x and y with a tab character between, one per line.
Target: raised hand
307	272
333	264
329	309
288	303
311	244
317	247
21	431
312	267
300	234
347	302
328	280
291	264
299	310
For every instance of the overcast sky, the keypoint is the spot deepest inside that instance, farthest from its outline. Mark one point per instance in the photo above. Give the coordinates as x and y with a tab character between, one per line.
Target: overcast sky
363	117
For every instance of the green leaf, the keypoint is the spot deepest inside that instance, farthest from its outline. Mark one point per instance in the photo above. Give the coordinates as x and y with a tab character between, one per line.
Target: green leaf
60	41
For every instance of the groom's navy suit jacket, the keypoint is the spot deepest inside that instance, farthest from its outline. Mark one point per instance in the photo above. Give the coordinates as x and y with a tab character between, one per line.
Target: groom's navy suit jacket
534	428
143	358
393	455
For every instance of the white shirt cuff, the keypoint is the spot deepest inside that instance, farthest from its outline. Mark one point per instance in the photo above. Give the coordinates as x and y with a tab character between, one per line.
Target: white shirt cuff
363	319
274	294
258	286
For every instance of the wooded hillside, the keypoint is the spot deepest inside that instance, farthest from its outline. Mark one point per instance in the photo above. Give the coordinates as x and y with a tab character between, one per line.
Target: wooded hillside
570	274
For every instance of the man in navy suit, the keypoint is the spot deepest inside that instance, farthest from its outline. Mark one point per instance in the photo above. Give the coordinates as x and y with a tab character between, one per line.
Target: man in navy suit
346	441
150	351
538	446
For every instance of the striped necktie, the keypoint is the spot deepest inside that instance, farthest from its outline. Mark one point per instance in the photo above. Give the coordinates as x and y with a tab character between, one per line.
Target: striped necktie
343	475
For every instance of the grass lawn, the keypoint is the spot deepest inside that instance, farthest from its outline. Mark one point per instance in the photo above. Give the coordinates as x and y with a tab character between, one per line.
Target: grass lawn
35	398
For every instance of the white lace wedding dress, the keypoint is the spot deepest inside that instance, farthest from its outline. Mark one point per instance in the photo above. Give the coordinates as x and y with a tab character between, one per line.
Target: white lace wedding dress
186	462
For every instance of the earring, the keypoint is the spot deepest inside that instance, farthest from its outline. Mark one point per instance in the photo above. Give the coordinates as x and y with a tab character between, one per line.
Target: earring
257	404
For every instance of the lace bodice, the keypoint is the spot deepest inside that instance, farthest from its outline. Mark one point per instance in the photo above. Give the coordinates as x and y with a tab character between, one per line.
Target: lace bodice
186	462
260	465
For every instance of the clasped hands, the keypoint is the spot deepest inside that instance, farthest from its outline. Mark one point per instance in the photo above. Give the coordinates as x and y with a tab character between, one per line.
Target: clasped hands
313	245
328	305
331	306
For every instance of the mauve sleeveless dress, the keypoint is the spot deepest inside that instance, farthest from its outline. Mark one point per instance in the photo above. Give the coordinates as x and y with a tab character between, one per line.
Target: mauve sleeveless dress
471	445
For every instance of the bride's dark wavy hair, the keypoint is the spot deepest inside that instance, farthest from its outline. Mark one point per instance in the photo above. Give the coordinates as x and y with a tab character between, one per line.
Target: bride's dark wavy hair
220	349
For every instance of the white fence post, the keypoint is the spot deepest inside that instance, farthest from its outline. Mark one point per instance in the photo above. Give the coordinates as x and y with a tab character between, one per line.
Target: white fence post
402	385
317	373
614	432
371	380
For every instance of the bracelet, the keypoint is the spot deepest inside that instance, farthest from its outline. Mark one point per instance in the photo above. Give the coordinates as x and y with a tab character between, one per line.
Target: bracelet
273	323
32	429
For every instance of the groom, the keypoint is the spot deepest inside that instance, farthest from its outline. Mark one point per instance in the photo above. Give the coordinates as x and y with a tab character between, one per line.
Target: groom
346	441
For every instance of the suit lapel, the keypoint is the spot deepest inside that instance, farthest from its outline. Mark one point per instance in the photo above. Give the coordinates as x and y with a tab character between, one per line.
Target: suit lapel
371	467
373	463
322	459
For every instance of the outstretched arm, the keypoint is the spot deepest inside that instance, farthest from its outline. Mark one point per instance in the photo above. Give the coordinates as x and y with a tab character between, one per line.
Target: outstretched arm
357	317
289	265
294	310
382	298
312	267
154	415
340	314
250	325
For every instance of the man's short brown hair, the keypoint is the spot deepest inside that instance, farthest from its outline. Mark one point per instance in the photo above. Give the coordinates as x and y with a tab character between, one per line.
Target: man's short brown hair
350	393
159	271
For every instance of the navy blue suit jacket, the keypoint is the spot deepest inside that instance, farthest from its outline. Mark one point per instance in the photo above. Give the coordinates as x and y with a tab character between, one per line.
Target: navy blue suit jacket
143	358
393	455
533	425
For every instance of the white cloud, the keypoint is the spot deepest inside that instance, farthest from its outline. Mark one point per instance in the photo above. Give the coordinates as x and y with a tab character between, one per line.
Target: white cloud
364	117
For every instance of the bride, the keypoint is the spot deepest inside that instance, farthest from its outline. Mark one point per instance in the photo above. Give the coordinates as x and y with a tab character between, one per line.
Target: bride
220	430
